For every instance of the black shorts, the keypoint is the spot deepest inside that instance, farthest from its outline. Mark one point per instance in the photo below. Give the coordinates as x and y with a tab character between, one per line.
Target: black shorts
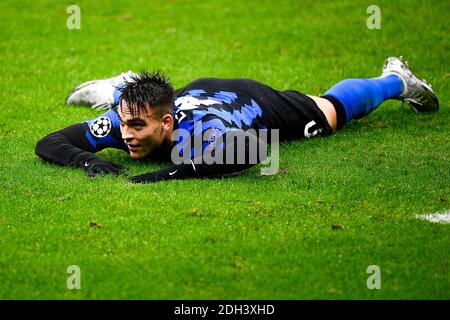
295	114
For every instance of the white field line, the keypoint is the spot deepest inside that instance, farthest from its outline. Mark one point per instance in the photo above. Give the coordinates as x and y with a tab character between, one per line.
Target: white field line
439	217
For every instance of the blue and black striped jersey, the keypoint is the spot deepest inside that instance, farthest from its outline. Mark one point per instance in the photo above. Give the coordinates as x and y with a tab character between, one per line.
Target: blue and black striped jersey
208	108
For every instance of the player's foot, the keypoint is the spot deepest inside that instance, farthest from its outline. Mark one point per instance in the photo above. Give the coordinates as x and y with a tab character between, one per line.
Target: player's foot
417	93
99	94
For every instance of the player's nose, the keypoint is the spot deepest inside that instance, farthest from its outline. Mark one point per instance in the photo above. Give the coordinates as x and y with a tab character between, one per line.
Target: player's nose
127	134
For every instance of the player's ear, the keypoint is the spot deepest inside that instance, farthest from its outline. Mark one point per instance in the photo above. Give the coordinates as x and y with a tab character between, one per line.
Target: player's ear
167	121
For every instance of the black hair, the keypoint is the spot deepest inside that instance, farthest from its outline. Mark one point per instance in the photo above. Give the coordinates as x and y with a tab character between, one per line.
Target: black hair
148	91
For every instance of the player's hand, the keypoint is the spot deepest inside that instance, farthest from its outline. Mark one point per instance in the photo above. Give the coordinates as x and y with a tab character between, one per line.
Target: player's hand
170	173
181	171
101	167
147	178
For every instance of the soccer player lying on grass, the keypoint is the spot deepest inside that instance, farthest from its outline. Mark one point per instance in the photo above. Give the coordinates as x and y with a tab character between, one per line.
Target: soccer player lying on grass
151	121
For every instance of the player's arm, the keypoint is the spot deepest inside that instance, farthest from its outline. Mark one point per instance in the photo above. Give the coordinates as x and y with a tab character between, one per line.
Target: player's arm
77	144
245	155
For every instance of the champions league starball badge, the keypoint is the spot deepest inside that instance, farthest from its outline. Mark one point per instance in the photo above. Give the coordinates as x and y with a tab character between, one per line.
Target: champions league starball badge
101	127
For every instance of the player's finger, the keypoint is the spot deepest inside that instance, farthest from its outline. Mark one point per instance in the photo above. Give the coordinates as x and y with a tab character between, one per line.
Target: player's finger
91	173
113	171
143	178
118	167
99	170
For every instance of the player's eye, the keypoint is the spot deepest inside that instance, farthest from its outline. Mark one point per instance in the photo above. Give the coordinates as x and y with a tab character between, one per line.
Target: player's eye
137	126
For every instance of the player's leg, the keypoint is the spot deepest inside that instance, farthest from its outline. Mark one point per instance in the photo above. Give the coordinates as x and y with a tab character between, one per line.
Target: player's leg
355	98
328	110
99	94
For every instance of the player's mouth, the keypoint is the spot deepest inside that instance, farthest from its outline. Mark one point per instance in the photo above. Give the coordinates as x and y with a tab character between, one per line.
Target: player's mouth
133	147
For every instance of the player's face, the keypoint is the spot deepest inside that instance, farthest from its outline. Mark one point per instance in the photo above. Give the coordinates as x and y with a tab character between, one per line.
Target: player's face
142	134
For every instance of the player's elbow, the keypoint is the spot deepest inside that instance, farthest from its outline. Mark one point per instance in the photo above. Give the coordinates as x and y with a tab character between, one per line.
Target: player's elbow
41	146
44	145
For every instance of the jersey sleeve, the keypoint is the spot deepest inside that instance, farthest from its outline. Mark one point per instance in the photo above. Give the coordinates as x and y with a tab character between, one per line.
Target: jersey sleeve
77	143
104	131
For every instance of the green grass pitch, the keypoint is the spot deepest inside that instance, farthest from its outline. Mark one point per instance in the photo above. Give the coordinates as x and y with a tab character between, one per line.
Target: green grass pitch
245	237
